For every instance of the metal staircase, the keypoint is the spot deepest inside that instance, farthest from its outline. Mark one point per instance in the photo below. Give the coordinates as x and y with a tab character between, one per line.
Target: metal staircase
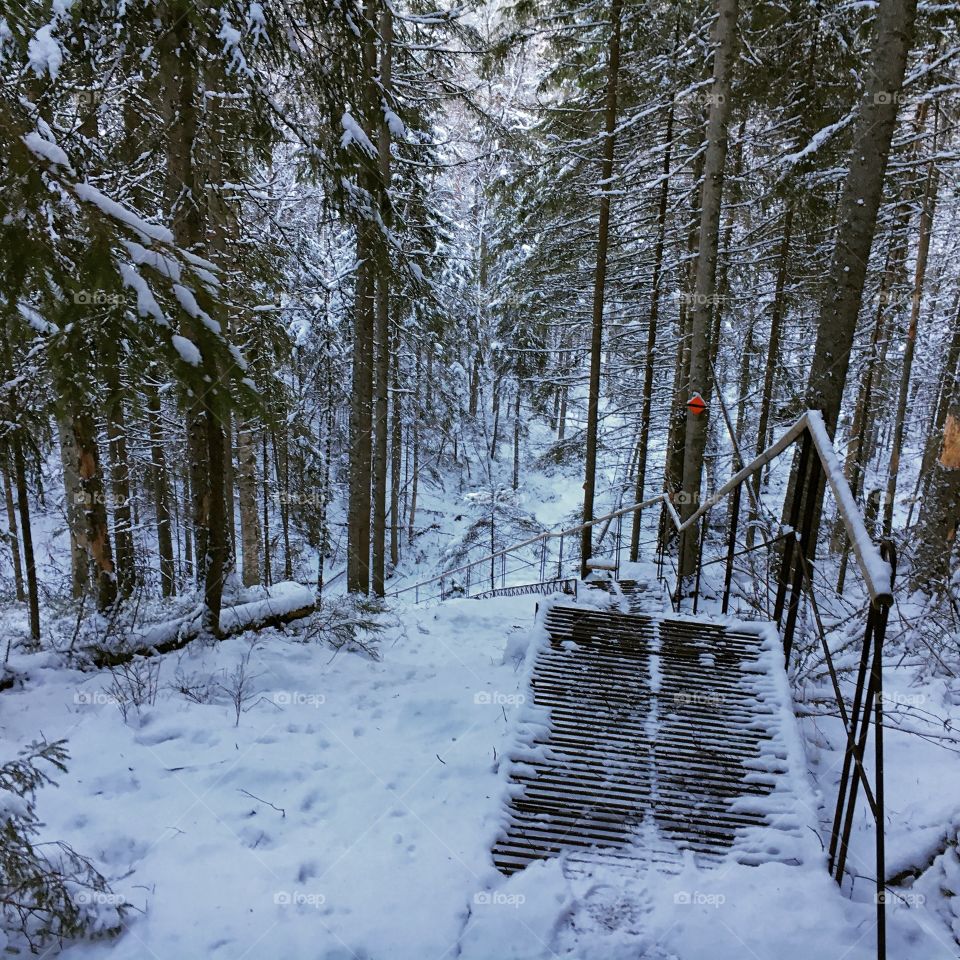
664	739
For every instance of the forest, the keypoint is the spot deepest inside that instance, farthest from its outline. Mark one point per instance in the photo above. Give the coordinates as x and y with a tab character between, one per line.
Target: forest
348	346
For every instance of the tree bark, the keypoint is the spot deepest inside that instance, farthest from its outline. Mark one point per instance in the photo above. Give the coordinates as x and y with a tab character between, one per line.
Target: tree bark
725	48
923	249
251	540
73	507
12	538
600	279
857	219
161	497
95	538
382	365
652	321
29	561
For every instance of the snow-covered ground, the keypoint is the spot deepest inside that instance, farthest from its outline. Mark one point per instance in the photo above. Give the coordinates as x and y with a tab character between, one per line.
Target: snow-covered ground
349	813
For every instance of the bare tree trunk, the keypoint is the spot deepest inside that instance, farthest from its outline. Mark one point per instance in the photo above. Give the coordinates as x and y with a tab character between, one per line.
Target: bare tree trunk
725	48
600	280
250	535
12	537
382	338
923	249
396	451
516	439
652	321
119	473
940	510
96	533
947	377
857	219
267	563
415	467
23	505
773	359
217	547
73	507
160	495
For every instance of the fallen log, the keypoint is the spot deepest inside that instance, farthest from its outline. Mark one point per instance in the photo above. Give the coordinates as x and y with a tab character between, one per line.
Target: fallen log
287	602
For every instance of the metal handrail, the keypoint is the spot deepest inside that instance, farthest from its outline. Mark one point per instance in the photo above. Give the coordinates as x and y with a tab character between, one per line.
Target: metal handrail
875	571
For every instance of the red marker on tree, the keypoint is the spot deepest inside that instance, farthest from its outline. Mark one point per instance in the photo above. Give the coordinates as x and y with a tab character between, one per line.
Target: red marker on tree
696	404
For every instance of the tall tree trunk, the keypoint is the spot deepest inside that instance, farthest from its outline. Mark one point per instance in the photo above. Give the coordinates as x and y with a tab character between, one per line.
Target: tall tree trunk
415	467
119	471
96	532
73	507
267	561
923	249
12	538
940	509
600	280
382	366
516	439
857	218
725	47
251	540
23	505
773	359
652	321
161	497
361	407
217	546
396	450
948	375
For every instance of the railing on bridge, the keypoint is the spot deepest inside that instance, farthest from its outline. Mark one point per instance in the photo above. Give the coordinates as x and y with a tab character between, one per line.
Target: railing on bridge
788	555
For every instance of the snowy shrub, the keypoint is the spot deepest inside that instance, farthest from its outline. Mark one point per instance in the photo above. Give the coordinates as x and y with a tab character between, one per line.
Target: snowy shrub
134	684
238	685
351	623
195	687
48	891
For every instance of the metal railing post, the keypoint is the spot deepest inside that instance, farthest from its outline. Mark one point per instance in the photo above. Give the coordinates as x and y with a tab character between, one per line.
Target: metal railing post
731	549
700	542
804	551
787	557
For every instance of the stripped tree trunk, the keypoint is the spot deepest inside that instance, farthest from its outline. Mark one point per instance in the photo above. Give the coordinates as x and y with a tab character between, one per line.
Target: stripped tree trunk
119	472
95	538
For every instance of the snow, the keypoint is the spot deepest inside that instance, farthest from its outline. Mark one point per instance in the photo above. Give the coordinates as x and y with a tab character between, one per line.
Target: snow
121	213
354	133
187	350
188	301
46	149
44	55
147	305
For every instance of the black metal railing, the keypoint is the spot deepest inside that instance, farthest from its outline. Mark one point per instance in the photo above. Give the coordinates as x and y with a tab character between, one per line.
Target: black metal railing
789	549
